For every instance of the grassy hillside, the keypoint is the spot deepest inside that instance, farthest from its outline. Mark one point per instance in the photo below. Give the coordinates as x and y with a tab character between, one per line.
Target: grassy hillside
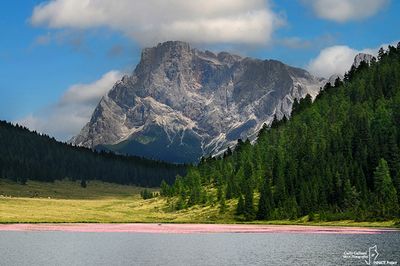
65	201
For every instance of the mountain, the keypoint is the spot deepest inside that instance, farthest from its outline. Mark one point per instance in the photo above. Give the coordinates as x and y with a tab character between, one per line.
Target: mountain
28	155
181	103
362	57
337	158
332	79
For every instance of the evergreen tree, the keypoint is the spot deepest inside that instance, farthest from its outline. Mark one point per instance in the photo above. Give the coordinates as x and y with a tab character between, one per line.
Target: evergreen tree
165	189
280	188
240	206
266	201
385	190
195	187
289	208
350	196
146	194
249	211
180	204
230	191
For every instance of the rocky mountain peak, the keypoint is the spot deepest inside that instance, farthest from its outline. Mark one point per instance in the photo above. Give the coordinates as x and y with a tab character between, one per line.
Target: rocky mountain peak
332	79
170	49
362	57
181	103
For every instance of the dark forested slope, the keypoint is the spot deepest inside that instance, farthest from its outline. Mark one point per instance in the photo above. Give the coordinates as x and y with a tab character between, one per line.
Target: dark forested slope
28	155
337	157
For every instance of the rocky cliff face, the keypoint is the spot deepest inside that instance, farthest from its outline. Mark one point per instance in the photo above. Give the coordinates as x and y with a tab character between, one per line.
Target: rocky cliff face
181	103
361	57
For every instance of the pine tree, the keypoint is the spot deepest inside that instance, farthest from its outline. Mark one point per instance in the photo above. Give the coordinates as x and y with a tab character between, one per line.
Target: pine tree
249	211
280	188
164	189
180	204
394	161
240	206
350	196
290	208
229	189
381	53
266	201
295	107
385	190
195	188
146	194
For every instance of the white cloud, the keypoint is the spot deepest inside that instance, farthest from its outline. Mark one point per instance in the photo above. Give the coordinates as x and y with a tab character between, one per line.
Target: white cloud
332	60
65	118
92	92
338	59
346	10
151	21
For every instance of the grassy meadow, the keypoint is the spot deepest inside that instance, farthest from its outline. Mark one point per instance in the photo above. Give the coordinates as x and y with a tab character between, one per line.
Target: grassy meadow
68	202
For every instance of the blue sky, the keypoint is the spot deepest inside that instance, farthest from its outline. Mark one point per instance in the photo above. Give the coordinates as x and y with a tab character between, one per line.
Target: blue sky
62	55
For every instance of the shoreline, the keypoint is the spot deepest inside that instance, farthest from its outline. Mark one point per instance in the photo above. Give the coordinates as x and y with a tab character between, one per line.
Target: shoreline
170	228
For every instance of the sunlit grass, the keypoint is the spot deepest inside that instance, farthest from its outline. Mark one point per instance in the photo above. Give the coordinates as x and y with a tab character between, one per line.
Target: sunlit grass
68	202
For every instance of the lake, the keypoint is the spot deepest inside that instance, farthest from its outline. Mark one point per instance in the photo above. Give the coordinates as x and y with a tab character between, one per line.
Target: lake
132	248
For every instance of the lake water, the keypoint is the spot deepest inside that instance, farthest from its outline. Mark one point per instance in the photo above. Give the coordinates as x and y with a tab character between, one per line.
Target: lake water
77	248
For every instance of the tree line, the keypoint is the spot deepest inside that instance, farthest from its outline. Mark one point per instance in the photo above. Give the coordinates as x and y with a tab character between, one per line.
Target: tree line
336	158
28	155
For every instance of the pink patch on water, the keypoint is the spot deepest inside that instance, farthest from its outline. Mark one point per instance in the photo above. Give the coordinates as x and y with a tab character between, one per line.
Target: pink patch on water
191	228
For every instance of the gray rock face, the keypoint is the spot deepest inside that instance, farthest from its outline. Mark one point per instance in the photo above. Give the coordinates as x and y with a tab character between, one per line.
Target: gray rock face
332	79
361	57
181	103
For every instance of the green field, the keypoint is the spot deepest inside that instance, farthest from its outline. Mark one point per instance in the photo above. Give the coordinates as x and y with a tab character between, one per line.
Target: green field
66	201
99	202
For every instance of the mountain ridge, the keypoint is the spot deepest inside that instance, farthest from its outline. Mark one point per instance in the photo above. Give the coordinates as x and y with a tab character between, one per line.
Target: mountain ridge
181	103
27	155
